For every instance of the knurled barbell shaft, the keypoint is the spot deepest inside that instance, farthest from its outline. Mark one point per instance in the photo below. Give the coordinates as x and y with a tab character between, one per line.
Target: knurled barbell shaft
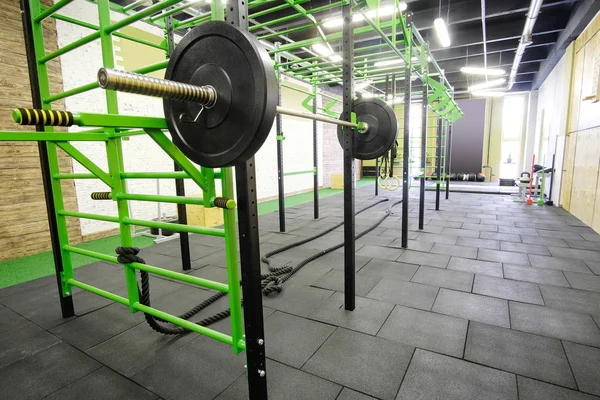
145	85
205	95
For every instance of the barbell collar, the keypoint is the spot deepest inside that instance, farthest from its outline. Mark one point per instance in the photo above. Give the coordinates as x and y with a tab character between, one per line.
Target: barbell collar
145	85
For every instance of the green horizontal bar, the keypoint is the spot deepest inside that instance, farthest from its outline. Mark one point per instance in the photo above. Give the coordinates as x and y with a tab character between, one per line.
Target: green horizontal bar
211	333
71	46
74	176
98	291
312	171
51	10
134	5
153	270
74	21
127	133
140	41
157	7
119	121
155	175
175	227
286	31
24	136
97	217
161	199
175	10
269	10
188	23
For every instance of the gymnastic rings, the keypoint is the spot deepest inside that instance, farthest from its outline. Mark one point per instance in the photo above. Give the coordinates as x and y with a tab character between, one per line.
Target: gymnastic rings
389	182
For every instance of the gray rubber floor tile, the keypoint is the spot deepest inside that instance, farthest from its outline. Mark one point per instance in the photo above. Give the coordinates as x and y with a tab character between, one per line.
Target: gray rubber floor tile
426	330
583	244
206	367
39	375
334	280
173	249
544	321
525	248
474	307
335	260
310	273
445	223
435	376
349	394
546	241
298	299
497	222
535	275
385	253
518	352
420	258
559	234
476	266
584	361
505	237
460	232
307	336
285	383
390	269
508	257
571	299
480	243
480	227
211	273
100	385
593	266
413	245
563	264
583	281
454	250
587	255
434	238
530	389
279	238
374	366
447	278
91	329
368	316
20	338
518	231
407	294
592	236
525	292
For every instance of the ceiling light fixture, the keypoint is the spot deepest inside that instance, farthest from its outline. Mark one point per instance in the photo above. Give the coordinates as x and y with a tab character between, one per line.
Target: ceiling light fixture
383	12
321	49
488	84
387	63
482	71
442	32
363	84
335	58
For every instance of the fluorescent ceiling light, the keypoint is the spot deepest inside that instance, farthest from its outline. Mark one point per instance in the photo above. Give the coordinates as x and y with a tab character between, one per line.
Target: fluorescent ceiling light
386	63
397	100
488	93
488	84
442	32
321	49
335	58
333	22
482	71
367	95
383	12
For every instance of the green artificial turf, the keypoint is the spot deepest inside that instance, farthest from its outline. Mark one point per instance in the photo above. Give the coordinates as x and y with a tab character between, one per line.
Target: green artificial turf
24	269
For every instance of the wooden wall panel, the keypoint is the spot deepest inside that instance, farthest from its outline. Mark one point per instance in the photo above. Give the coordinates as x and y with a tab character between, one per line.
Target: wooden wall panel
567	175
589	108
23	220
585	175
575	100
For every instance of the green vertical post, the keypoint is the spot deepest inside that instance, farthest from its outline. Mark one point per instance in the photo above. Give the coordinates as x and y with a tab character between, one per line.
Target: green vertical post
44	84
114	152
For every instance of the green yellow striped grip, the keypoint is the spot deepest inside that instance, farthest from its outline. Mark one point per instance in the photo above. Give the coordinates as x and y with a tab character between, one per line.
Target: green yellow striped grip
101	196
32	116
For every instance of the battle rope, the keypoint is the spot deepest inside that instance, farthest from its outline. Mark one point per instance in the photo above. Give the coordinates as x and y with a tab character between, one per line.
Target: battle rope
271	282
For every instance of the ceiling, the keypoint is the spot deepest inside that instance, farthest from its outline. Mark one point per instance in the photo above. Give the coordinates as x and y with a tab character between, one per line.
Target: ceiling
504	20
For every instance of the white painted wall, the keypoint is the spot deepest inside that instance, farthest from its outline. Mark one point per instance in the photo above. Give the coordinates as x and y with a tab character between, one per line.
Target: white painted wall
80	67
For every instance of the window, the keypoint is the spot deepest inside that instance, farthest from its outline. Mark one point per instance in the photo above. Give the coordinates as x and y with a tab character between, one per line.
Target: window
512	130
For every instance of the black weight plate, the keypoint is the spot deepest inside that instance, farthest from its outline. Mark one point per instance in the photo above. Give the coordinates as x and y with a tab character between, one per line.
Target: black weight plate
383	128
241	71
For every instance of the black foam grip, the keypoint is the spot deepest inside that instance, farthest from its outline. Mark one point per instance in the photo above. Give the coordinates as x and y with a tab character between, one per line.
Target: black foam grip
30	116
221	202
101	196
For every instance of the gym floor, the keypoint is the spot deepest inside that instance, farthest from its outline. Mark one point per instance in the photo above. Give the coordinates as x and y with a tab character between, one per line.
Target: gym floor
492	300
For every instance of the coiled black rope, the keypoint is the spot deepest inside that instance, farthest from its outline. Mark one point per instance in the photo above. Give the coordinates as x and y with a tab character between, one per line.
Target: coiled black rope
271	282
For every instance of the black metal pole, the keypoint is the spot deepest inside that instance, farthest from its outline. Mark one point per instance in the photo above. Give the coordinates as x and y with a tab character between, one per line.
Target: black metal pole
66	302
315	161
438	161
550	202
280	177
245	174
448	157
184	238
406	144
424	120
348	93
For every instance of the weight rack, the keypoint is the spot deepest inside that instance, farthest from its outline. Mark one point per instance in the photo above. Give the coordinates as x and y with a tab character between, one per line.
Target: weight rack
111	128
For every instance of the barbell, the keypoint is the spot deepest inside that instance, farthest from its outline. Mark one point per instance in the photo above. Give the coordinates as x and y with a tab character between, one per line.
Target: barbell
220	97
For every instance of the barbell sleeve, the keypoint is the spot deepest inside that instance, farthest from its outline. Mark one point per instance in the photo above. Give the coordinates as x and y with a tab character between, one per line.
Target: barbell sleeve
146	85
